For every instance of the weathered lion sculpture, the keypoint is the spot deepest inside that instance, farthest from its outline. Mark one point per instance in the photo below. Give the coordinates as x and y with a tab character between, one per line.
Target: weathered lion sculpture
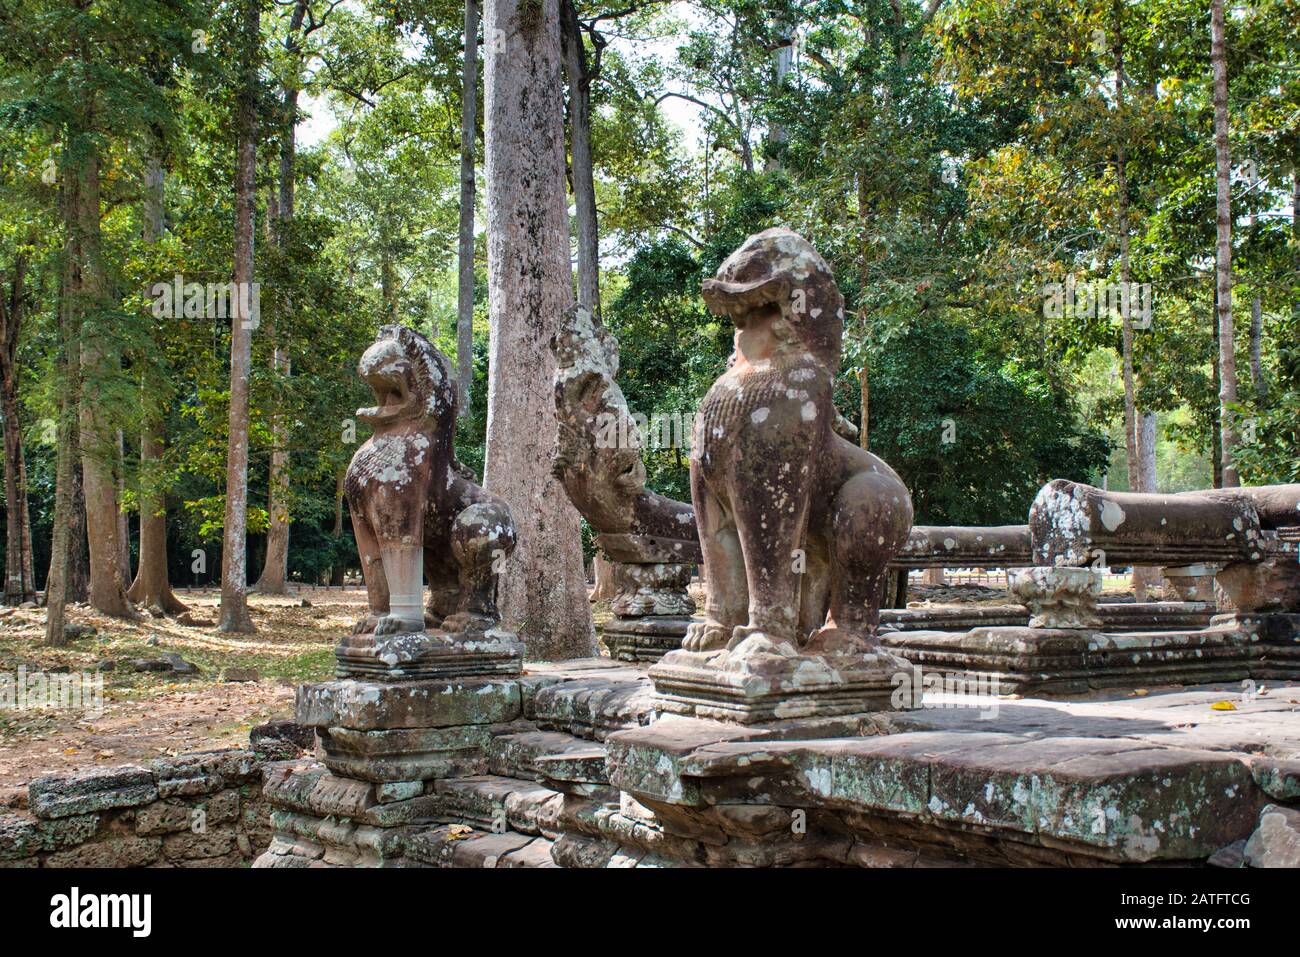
797	525
416	511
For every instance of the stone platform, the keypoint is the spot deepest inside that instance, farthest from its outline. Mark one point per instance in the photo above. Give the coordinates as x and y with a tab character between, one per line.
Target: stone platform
1119	616
581	769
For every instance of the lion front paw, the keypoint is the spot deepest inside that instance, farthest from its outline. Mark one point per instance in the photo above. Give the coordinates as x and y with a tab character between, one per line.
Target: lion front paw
366	624
747	641
839	642
392	625
703	636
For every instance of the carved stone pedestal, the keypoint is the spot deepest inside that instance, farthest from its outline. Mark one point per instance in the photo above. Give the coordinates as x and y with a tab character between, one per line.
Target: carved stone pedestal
1063	598
1189	583
647	638
1265	598
652	610
433	653
383	746
761	688
1064	651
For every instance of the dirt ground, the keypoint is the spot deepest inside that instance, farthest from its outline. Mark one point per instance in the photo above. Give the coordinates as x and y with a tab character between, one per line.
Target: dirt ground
149	714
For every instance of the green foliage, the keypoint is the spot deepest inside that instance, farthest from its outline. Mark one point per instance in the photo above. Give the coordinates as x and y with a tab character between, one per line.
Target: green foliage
974	435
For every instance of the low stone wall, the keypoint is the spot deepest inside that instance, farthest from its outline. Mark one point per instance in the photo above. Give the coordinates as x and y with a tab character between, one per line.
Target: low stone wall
203	809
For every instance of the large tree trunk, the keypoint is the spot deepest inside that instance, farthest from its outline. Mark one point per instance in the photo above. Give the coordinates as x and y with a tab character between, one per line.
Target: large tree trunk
465	241
275	570
1223	248
603	576
152	586
99	363
234	551
579	79
19	586
543	589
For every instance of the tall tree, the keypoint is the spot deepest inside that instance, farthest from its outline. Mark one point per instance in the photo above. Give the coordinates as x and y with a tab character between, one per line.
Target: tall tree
1223	248
234	552
465	236
152	586
543	589
275	569
19	584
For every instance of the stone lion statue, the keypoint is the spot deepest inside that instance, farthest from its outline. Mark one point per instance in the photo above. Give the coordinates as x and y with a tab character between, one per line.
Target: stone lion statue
416	511
797	524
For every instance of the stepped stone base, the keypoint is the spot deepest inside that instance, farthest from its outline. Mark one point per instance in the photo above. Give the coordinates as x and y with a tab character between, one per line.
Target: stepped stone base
587	773
1119	616
643	639
1011	660
429	654
770	688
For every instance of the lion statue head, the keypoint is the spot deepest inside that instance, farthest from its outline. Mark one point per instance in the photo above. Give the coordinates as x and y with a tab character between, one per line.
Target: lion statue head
410	378
779	271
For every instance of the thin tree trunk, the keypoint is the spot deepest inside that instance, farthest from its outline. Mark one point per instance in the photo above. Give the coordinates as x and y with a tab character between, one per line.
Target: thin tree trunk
782	59
28	560
584	185
1223	248
1147	579
56	583
1216	428
864	393
275	569
19	586
1126	321
543	589
337	570
465	241
79	556
62	536
123	519
152	586
234	552
1256	341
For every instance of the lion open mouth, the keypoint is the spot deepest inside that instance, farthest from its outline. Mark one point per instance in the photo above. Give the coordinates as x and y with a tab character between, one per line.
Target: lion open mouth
392	397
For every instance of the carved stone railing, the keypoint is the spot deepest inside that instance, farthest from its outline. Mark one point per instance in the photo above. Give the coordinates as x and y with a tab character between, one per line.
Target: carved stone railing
1075	524
962	546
